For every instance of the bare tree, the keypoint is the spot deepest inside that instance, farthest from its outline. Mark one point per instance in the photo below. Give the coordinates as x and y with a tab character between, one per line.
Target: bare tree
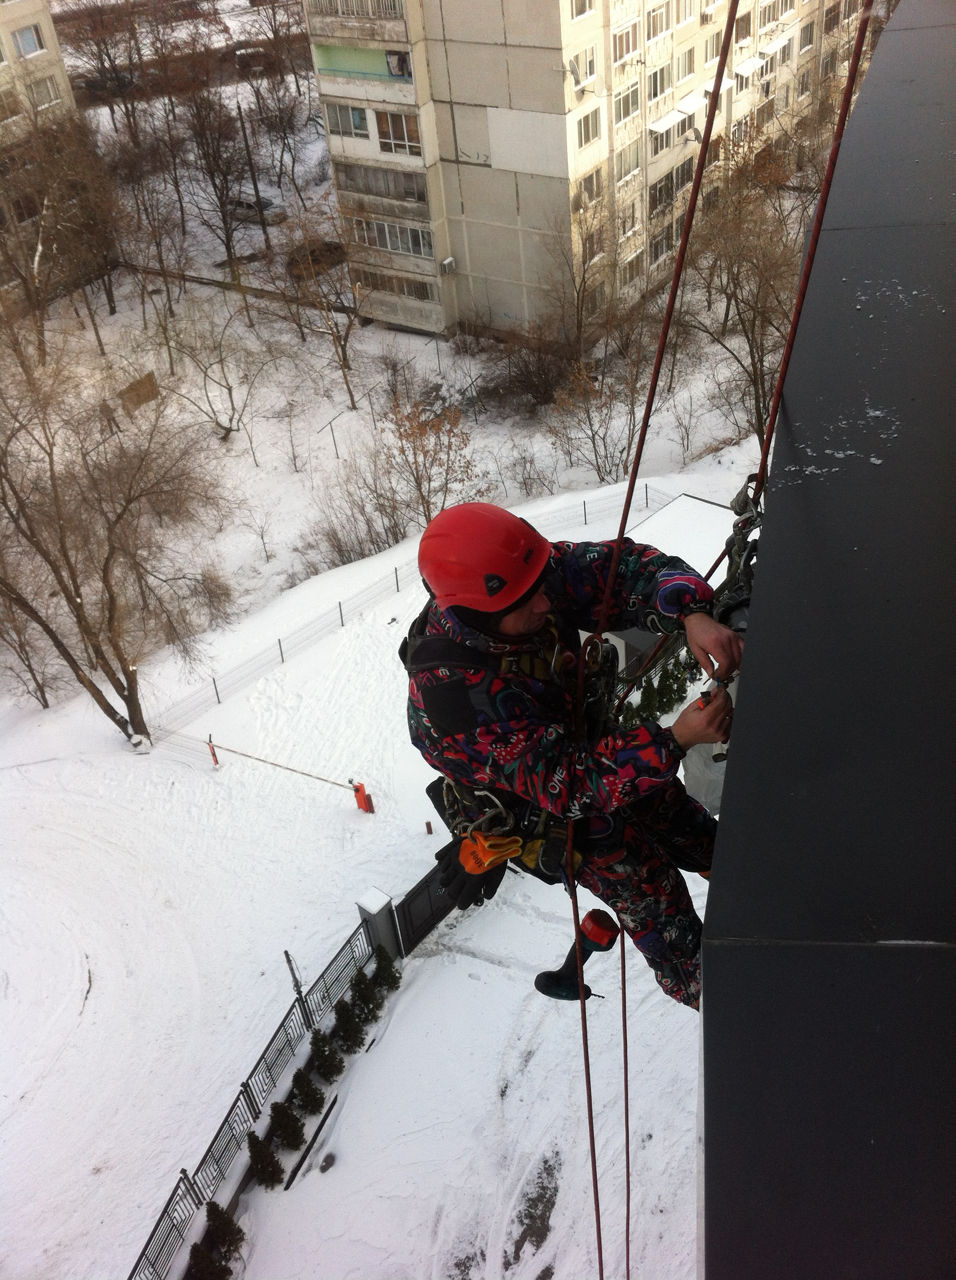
744	257
594	422
222	370
310	284
101	555
56	224
425	446
218	164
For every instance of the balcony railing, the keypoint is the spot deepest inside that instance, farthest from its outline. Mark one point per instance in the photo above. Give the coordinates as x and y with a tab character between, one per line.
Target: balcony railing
357	8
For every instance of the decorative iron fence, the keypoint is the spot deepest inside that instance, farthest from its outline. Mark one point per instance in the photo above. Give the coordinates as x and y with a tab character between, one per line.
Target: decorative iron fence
191	1193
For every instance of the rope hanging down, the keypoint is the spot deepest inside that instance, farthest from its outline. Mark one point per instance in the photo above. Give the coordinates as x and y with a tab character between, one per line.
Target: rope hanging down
747	511
605	603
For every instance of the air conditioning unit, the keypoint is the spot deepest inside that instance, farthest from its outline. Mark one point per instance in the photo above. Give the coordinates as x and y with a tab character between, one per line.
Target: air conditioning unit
447	266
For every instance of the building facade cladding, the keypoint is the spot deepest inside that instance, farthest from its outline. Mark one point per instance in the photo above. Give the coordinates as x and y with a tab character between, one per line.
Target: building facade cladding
528	123
33	79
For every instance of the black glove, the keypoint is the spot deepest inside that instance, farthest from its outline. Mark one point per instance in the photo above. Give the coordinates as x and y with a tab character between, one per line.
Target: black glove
465	889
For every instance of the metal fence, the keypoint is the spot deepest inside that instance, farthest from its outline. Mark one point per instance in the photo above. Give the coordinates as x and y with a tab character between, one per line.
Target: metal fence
401	578
192	1192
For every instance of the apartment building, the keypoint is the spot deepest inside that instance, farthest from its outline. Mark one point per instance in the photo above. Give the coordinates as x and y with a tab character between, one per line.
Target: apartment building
33	79
501	165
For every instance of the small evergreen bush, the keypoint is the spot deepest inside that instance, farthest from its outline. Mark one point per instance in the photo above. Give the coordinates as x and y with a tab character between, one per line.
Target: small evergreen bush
348	1032
326	1059
223	1236
287	1129
204	1265
367	998
263	1162
385	975
306	1094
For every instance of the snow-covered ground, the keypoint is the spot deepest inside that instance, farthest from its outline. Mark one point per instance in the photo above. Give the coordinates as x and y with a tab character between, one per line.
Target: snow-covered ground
147	902
147	899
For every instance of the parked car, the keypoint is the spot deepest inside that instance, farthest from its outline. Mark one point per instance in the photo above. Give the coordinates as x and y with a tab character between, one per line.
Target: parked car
247	211
113	83
313	258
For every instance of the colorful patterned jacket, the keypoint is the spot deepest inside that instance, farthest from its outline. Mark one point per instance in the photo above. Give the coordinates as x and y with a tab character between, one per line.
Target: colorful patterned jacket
509	724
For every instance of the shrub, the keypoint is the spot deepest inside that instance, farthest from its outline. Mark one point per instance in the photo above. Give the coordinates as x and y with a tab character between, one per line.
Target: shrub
306	1094
203	1265
263	1162
385	975
367	998
326	1059
348	1032
287	1128
223	1236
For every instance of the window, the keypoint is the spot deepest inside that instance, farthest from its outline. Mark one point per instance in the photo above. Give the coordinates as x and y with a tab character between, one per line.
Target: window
828	66
404	286
785	54
625	42
769	13
398	133
713	152
626	161
29	40
594	301
658	82
685	64
589	127
399	63
580	7
684	174
10	104
658	20
684	10
831	19
591	186
661	245
804	84
585	63
741	131
660	193
43	93
712	47
764	114
631	270
743	28
849	8
350	122
391	184
416	241
806	37
593	245
627	103
628	218
741	83
661	140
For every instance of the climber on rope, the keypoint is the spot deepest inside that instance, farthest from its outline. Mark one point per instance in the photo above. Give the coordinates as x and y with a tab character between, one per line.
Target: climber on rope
496	706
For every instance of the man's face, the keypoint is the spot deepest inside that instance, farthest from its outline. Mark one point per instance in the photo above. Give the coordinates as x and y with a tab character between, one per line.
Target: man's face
527	619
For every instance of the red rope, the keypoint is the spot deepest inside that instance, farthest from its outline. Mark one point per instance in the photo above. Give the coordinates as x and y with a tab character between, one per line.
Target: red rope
627	1106
671	304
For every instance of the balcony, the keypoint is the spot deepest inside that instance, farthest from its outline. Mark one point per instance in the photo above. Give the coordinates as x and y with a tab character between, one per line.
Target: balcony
357	20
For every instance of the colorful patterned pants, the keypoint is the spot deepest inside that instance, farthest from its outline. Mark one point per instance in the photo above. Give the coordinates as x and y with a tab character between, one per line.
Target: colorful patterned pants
633	863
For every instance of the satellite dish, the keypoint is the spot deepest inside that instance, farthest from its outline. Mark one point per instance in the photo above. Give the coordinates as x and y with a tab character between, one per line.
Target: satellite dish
575	74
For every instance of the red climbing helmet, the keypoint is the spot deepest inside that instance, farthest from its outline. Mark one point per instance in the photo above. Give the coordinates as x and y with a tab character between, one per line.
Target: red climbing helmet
479	556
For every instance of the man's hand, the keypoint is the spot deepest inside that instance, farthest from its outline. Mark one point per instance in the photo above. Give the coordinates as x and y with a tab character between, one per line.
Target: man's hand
707	719
708	639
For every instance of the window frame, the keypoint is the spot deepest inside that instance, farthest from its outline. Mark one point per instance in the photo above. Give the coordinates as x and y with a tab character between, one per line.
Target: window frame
38	36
